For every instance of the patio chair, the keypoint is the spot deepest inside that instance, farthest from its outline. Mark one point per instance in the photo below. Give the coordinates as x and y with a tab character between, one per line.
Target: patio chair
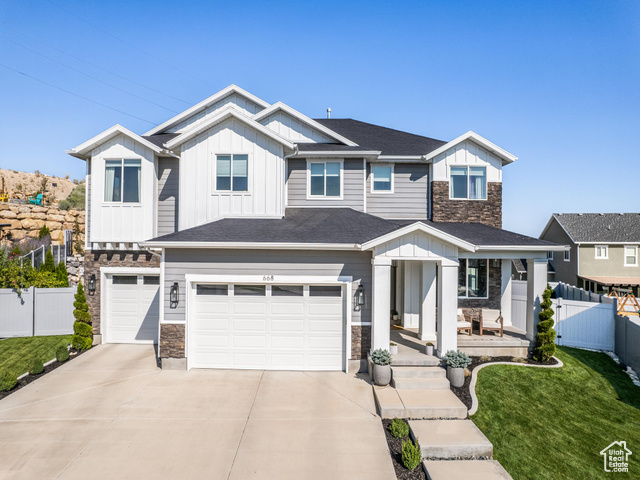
37	200
464	322
4	197
491	320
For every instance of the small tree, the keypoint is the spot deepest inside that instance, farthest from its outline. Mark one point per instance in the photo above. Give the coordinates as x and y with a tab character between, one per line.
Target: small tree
49	264
546	336
44	232
61	274
78	245
83	335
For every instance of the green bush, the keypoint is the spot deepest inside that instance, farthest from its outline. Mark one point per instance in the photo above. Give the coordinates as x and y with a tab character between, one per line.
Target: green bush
49	264
381	357
457	359
81	343
62	353
61	274
411	454
7	380
35	366
546	337
399	428
75	200
82	329
44	232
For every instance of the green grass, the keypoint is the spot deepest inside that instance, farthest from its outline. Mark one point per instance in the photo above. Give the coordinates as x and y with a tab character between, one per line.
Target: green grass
553	423
16	352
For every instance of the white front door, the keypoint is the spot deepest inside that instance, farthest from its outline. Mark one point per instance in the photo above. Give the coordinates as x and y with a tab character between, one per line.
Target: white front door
132	308
272	327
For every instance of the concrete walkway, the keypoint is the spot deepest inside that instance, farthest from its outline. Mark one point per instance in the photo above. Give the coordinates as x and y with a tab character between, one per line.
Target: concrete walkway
113	414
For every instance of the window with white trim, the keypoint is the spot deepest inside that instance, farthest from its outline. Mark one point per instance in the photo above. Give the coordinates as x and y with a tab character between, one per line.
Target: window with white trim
468	183
382	178
549	255
232	173
122	180
602	252
473	278
325	179
567	255
630	256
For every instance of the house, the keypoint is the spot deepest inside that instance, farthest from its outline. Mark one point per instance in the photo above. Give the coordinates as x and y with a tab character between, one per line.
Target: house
603	252
244	234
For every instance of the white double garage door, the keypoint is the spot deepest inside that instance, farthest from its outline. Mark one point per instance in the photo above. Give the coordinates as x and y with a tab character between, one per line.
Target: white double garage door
292	326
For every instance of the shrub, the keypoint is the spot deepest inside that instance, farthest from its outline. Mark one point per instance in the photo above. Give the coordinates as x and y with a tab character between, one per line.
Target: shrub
61	274
49	265
411	454
83	333
44	232
7	380
546	337
381	357
82	329
457	359
35	366
399	428
81	343
75	200
62	353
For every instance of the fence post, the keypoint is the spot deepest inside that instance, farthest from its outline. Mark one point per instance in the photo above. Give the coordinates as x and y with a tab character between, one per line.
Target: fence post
33	312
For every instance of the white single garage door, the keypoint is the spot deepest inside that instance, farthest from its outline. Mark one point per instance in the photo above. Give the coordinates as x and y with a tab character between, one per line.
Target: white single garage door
271	327
132	308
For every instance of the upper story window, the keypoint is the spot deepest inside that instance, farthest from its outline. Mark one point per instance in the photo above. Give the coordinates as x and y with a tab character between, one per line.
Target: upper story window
232	173
549	255
602	251
630	256
382	178
567	255
122	181
468	183
473	278
325	179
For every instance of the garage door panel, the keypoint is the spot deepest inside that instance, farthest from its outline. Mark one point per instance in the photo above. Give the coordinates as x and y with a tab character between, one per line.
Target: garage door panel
329	308
241	307
132	311
253	341
205	339
318	361
249	359
211	308
255	324
287	308
326	325
284	342
326	342
287	361
280	325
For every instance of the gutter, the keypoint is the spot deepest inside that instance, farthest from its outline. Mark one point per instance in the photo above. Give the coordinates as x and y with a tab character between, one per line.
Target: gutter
255	245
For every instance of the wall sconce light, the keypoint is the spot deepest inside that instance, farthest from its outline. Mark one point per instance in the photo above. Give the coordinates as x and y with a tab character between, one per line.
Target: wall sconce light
359	297
91	286
174	294
495	263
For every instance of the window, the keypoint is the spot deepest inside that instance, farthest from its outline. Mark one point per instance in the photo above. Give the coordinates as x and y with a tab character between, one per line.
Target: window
122	181
382	178
473	278
232	173
325	291
630	256
151	280
549	255
468	183
212	289
567	255
250	290
325	179
125	280
287	291
602	251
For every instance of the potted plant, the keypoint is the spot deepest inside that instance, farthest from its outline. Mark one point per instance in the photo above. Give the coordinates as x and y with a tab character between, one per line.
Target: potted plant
381	360
393	348
457	361
394	316
429	348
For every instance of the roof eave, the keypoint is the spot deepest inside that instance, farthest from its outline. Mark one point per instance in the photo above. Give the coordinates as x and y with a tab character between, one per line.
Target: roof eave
505	156
251	245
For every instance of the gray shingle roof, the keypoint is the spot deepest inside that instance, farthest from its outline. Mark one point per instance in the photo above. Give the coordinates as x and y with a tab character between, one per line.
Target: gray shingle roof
329	147
386	140
161	138
601	227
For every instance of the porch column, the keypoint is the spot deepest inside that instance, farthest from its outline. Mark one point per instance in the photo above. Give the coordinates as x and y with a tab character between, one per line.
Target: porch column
536	283
447	318
428	307
505	302
381	305
412	298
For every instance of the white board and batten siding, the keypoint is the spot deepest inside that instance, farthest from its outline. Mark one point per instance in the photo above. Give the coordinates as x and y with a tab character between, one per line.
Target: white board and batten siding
289	127
122	222
584	324
466	153
416	245
200	203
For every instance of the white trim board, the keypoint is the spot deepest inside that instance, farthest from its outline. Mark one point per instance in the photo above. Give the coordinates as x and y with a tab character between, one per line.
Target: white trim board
84	149
483	142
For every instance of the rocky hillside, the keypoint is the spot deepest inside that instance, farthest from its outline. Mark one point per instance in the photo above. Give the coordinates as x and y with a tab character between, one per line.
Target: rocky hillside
21	184
24	221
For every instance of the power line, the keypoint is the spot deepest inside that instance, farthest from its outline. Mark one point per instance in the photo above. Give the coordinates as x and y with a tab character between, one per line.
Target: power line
74	94
88	75
157	59
96	66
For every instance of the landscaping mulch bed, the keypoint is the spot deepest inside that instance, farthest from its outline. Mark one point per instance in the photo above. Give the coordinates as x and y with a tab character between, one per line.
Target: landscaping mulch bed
49	368
464	394
395	447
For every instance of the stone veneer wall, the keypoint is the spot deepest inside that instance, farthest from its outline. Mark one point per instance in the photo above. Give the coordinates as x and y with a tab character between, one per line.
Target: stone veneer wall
172	340
495	292
93	260
26	221
488	211
360	341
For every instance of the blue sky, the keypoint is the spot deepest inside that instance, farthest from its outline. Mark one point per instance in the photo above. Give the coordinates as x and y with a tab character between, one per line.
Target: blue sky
555	83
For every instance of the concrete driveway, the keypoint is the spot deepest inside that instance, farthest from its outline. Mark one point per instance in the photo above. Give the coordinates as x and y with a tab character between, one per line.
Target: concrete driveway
113	414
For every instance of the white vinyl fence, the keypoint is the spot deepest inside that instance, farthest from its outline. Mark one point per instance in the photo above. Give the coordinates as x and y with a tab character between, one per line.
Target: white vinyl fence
519	304
36	312
584	324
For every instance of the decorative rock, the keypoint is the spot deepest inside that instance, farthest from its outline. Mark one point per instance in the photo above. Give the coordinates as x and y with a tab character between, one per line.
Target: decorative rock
38	209
30	224
56	218
54	225
8	214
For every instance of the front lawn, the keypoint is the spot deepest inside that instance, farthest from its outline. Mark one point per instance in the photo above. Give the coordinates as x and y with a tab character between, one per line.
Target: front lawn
553	423
15	353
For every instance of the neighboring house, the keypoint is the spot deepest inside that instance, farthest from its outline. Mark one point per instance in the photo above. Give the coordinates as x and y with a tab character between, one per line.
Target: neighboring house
603	253
243	234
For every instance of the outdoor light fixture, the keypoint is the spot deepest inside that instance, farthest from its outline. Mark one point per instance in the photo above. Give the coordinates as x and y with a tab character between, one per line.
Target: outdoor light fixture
173	295
92	284
359	300
495	263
